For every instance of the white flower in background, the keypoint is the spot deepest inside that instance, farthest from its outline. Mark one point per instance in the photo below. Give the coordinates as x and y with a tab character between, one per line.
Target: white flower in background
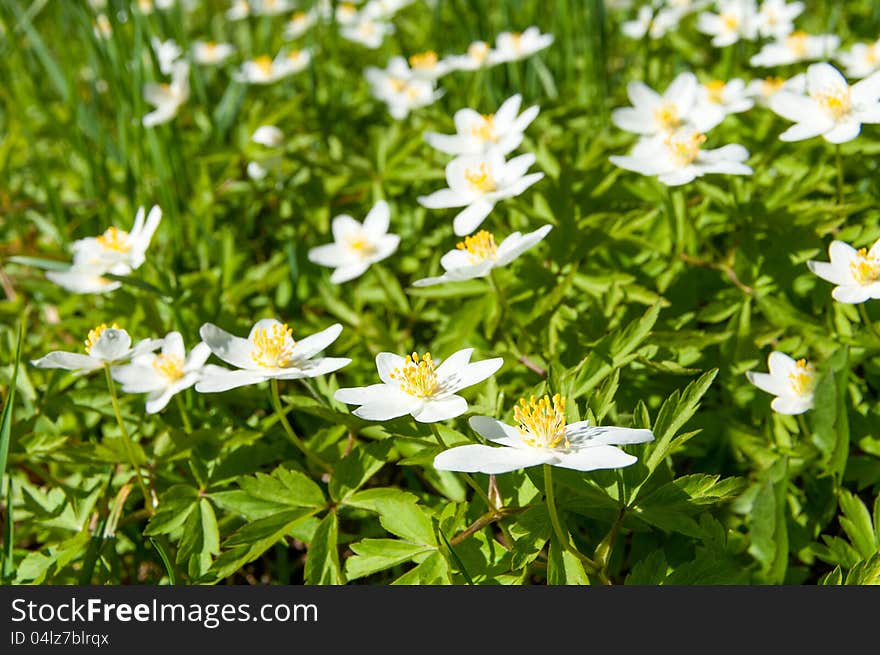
513	46
796	47
167	98
426	65
679	158
653	114
115	251
167	52
477	182
268	135
268	352
855	272
731	97
478	55
271	7
238	10
367	32
477	133
382	9
144	6
106	344
102	27
355	246
211	53
735	20
265	70
477	255
792	382
300	23
542	436
654	24
162	375
832	108
396	86
419	386
255	171
763	90
347	13
776	18
861	60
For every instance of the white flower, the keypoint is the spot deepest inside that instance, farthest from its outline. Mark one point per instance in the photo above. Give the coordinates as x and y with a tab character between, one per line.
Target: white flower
477	182
238	10
255	171
265	70
162	375
477	134
763	90
731	97
271	7
679	158
542	437
267	135
735	20
477	255
167	98
855	272
775	18
269	352
380	9
654	25
794	48
355	246
346	13
833	109
105	345
115	251
861	60
418	386
167	52
427	66
513	46
653	114
300	23
144	6
398	88
102	27
478	55
792	382
367	32
209	53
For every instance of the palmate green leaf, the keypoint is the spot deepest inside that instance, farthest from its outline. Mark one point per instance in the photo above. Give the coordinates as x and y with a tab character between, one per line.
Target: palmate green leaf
856	522
285	487
322	561
6	423
530	531
767	519
432	570
830	420
362	463
374	555
563	568
649	570
175	506
399	513
200	539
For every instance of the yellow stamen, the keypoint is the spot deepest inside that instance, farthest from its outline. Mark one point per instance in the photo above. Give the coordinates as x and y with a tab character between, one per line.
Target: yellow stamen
802	378
481	179
264	63
96	333
480	247
666	116
273	347
797	43
298	17
871	55
417	376
294	55
478	50
686	149
169	367
864	268
771	85
397	84
427	60
836	102
542	422
517	40
715	90
485	131
115	239
730	21
361	245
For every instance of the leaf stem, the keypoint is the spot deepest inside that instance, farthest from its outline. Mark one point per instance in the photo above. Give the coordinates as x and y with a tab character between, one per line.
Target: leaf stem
839	158
866	320
288	429
181	407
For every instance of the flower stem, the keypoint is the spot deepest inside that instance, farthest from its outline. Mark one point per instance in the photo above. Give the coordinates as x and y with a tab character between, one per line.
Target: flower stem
187	426
126	439
471	482
589	564
866	320
295	440
839	158
802	425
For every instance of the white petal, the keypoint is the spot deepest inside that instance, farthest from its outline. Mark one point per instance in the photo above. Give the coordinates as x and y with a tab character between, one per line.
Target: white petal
331	254
112	345
851	295
68	361
138	379
197	357
780	365
473	373
496	431
470	218
791	404
217	378
454	363
377	221
312	368
593	458
830	272
315	343
582	431
766	382
388	407
385	365
844	131
172	345
363	395
158	401
441	410
349	272
477	458
444	198
231	349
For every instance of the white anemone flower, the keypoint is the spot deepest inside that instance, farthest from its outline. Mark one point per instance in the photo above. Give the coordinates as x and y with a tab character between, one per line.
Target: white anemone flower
477	134
399	89
367	32
796	47
731	97
105	345
167	52
653	24
653	114
115	251
356	246
679	158
300	23
238	10
211	53
832	108
255	171
792	382
764	89
269	352
381	9
427	66
861	60
542	436
268	135
477	182
347	13
513	46
102	27
776	18
418	386
478	255
167	98
478	55
271	7
855	272
265	70
735	20
165	374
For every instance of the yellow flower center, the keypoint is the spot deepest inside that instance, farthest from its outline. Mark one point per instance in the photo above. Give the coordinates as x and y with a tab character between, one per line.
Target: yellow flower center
865	269
481	179
169	367
361	245
294	55
145	5
480	247
102	24
730	21
210	47
478	50
397	84
96	333
264	63
666	116
516	37
836	102
542	422
715	90
802	377
347	10
797	43
426	60
871	55
273	347
771	85
417	376
485	130
115	239
686	149
298	17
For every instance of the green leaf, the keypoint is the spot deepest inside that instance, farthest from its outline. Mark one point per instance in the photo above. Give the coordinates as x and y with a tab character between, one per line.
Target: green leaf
6	417
399	513
530	532
432	570
856	522
374	555
175	506
322	562
649	570
769	530
563	568
357	467
200	540
285	488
